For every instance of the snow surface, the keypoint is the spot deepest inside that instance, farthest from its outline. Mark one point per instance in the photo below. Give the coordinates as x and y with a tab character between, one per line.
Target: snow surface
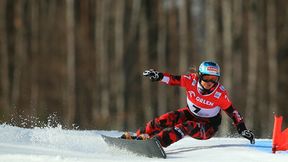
60	145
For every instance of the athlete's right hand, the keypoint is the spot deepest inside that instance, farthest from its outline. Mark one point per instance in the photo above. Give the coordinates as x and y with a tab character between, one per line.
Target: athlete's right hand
153	75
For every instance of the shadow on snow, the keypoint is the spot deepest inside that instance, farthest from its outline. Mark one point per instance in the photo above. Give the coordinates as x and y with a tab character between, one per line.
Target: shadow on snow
196	148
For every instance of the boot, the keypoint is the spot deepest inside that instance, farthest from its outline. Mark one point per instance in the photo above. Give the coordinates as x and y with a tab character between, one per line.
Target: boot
128	136
143	137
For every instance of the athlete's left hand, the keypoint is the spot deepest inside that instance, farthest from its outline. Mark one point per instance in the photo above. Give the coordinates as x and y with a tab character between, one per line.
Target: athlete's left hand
249	135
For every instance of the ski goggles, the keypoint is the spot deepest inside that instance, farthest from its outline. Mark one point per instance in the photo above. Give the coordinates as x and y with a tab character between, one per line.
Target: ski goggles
210	78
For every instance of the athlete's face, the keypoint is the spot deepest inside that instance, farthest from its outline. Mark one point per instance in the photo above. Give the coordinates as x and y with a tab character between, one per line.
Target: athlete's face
208	81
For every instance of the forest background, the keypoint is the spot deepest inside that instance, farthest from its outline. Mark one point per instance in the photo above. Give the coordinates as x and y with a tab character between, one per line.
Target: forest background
79	63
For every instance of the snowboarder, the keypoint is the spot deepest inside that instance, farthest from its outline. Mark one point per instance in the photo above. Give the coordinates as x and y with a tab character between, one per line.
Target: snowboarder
200	119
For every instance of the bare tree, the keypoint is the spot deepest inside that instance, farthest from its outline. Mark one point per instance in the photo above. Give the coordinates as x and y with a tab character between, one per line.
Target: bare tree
252	63
102	53
197	27
71	94
4	100
183	42
272	59
172	48
210	29
35	54
20	51
227	54
227	42
161	53
144	60
119	62
134	22
261	90
237	35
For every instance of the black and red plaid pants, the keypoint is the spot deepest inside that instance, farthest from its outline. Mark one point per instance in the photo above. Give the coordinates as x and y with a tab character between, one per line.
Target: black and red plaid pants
173	126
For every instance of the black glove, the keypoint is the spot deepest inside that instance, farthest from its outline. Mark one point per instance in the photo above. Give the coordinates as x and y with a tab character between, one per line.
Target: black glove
241	128
153	75
249	135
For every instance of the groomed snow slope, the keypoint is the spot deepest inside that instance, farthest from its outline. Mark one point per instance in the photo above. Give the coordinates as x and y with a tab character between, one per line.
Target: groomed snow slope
59	145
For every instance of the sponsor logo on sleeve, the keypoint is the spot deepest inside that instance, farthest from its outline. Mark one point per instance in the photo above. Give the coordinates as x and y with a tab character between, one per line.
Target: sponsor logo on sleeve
222	88
217	95
194	82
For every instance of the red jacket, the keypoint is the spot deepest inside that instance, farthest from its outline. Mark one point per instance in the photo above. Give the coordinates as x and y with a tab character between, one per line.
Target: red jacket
208	105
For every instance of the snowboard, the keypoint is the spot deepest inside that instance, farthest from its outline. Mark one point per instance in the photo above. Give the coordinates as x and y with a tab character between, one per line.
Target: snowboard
149	148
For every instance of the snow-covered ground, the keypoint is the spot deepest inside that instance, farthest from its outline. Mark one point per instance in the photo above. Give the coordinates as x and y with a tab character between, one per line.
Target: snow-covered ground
59	145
